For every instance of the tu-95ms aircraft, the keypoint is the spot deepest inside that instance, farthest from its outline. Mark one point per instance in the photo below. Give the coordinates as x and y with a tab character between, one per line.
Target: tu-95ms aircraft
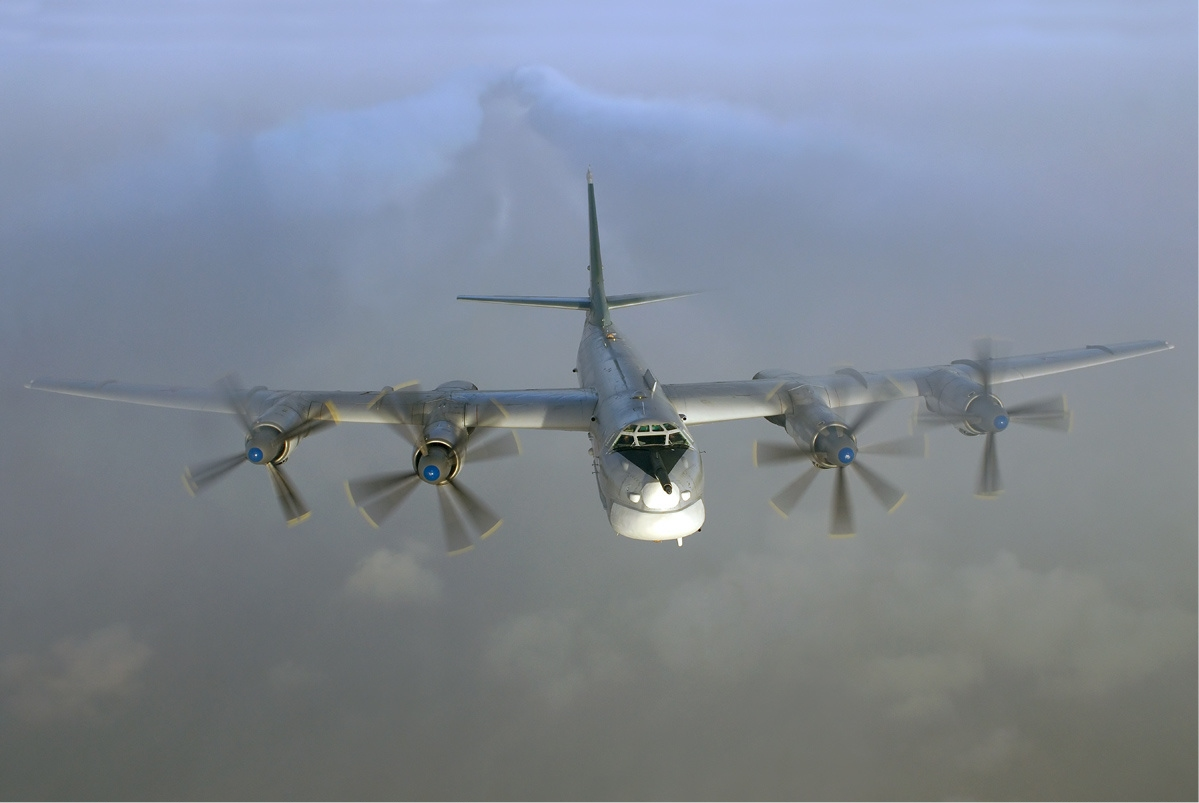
644	454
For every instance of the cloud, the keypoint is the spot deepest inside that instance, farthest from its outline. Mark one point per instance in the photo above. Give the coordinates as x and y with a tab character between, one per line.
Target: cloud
75	676
357	161
914	639
921	686
557	655
391	576
322	163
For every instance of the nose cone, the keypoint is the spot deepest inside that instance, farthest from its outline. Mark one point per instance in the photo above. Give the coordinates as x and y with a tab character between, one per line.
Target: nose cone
986	414
264	445
435	466
835	447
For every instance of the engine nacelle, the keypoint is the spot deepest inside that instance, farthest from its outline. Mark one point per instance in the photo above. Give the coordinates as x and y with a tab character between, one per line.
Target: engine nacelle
958	397
266	441
820	431
442	450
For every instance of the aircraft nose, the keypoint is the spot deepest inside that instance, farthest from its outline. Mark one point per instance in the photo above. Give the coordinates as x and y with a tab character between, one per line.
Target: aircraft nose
654	496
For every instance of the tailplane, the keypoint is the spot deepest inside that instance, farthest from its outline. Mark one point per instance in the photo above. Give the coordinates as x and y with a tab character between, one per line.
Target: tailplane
597	303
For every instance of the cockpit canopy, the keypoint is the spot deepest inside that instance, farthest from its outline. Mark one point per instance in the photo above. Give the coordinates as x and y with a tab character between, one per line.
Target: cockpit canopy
641	436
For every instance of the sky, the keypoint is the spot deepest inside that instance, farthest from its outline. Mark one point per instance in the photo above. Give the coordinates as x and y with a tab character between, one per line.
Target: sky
296	192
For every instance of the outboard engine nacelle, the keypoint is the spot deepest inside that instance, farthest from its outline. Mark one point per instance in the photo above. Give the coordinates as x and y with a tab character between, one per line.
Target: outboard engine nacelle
956	396
267	442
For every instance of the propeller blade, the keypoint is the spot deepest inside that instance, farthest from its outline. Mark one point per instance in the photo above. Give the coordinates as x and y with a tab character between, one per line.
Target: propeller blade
886	493
391	401
867	415
493	445
485	520
910	446
492	414
456	539
235	397
842	525
294	509
927	419
1047	413
378	497
768	453
785	500
984	350
314	424
198	478
989	485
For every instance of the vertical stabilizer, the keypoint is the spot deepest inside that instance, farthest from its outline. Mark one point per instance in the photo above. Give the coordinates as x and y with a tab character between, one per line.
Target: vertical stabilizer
598	313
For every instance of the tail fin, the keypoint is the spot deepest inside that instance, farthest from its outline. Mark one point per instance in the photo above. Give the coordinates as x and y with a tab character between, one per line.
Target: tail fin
598	314
597	303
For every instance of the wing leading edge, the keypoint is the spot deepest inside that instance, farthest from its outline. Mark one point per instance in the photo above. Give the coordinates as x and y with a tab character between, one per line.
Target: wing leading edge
565	409
768	393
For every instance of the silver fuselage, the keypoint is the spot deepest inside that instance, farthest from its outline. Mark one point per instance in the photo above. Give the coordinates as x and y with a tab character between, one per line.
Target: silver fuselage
639	504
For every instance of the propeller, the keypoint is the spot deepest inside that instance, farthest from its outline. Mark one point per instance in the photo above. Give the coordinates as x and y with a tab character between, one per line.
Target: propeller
266	445
987	416
464	516
836	447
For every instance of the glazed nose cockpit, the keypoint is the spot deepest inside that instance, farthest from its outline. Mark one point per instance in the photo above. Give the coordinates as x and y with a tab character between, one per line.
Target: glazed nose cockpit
656	449
654	482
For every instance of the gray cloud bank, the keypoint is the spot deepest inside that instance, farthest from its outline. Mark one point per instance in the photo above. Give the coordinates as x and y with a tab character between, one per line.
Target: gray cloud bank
300	201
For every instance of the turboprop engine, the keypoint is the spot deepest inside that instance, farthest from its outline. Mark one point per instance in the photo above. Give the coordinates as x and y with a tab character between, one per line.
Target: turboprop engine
961	395
269	440
828	442
969	405
436	425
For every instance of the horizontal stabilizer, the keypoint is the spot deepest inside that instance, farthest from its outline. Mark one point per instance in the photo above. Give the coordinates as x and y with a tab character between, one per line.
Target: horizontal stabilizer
534	301
558	302
633	299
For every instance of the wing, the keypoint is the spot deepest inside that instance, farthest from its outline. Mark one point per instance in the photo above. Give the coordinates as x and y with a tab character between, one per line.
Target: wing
769	393
567	409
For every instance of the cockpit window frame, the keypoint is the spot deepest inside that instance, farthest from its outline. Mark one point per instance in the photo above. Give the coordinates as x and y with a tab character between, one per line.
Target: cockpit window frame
650	436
